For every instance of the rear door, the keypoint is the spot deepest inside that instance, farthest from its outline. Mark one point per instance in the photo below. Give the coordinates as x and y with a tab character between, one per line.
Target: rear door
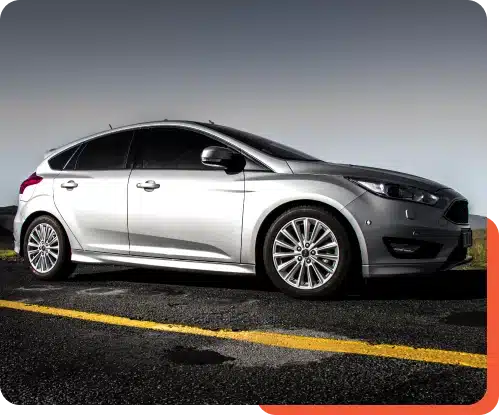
179	208
91	193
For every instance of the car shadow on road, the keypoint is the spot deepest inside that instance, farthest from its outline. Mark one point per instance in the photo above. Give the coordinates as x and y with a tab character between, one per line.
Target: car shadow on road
449	285
462	284
177	277
6	239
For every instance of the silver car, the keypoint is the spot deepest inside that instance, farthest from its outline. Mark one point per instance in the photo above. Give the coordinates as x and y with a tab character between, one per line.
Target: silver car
205	197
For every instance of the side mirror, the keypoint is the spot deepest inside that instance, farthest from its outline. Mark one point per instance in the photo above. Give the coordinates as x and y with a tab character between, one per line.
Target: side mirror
221	157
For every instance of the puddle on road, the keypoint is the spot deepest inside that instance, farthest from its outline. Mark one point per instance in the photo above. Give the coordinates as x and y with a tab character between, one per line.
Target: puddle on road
167	292
39	288
470	318
212	301
102	291
257	355
191	356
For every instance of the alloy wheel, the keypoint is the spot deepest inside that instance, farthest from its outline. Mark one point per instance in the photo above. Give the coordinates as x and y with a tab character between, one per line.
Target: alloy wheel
306	253
43	248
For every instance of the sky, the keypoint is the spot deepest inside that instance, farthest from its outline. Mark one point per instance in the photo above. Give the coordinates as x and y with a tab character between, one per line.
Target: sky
397	84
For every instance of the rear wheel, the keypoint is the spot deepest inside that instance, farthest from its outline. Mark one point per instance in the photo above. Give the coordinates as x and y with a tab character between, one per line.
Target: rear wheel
47	250
307	253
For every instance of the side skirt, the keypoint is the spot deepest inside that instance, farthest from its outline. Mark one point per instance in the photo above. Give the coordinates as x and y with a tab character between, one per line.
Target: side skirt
85	257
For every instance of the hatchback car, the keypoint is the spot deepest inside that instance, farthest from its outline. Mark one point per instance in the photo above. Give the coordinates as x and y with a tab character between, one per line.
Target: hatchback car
205	197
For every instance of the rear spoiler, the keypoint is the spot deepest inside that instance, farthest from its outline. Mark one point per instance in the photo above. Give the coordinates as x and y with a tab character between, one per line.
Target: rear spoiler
48	153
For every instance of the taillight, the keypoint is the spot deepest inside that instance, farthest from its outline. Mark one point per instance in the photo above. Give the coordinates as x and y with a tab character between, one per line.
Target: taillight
30	181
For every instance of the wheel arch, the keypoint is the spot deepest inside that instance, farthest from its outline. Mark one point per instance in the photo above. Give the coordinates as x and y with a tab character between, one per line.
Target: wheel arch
30	219
347	220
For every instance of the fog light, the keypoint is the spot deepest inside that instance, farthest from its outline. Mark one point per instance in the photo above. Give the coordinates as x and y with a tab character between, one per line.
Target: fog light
411	249
404	248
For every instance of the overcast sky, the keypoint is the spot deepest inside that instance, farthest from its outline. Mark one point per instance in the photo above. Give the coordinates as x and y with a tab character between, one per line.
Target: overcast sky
389	83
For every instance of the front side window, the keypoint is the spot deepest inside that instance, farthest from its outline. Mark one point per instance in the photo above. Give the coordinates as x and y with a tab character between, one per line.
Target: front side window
105	153
172	148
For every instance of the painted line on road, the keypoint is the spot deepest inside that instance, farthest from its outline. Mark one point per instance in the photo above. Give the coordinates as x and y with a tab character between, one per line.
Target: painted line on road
446	357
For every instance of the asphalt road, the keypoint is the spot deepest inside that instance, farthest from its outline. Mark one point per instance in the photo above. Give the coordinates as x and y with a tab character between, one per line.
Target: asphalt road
57	360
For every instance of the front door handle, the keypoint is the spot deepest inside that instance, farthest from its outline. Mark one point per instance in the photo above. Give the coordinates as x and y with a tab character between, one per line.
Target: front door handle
148	186
69	185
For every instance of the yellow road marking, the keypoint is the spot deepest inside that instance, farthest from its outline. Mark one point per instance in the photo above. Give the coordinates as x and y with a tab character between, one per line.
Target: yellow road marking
272	339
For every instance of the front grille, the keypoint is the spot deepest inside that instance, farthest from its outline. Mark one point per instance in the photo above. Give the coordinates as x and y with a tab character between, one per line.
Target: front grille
458	212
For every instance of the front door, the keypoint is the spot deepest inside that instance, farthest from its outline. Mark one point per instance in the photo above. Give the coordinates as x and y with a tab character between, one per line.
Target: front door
179	208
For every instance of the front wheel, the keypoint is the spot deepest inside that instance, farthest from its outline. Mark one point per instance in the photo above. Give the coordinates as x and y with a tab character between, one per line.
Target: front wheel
47	250
307	253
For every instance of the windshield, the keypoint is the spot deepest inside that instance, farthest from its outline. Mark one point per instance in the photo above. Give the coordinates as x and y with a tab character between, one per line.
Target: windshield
262	144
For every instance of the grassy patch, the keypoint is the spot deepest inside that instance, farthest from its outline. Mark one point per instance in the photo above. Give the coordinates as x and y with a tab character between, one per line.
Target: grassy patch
6	254
478	251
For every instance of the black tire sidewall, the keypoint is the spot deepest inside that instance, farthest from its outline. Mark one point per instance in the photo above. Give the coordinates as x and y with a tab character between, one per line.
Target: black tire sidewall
334	285
63	263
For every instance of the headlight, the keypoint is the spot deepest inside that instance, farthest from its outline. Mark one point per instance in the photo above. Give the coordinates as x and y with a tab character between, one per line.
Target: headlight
398	191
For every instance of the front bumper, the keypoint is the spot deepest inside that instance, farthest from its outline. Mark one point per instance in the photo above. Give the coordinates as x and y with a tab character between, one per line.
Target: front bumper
451	265
389	270
384	220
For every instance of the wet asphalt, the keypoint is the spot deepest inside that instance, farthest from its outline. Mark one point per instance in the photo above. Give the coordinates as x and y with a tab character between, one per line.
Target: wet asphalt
56	360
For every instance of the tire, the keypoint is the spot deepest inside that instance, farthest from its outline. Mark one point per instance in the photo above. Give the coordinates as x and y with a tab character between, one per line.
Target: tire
300	285
48	228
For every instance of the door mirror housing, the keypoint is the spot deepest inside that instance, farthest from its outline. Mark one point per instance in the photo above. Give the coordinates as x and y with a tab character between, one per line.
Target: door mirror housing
225	158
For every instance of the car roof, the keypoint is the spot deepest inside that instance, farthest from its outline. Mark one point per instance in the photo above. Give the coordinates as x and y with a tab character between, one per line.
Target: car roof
128	126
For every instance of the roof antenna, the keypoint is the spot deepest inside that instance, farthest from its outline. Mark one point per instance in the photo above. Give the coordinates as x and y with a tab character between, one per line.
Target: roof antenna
166	119
110	126
211	122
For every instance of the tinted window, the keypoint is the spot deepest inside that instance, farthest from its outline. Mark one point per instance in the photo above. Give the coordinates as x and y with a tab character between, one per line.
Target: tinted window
262	144
172	148
59	161
106	153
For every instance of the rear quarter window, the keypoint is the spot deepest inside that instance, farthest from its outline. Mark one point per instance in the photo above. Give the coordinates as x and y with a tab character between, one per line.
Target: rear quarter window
59	161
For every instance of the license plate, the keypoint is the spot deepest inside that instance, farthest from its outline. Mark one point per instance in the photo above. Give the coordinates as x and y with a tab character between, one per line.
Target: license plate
466	238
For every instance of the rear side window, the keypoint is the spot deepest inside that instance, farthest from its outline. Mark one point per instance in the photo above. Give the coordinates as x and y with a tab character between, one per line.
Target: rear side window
106	153
59	161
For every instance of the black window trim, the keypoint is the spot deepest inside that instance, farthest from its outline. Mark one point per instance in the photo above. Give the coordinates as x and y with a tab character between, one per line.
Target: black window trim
76	156
127	156
72	156
134	153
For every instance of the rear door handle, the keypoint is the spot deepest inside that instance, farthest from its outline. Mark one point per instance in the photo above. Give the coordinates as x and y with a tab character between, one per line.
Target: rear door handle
69	185
149	185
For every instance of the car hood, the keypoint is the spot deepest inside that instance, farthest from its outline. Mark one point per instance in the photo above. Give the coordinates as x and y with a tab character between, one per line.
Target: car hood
366	173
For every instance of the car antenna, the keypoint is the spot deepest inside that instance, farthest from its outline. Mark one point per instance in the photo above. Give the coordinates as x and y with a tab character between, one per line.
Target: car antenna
110	126
211	122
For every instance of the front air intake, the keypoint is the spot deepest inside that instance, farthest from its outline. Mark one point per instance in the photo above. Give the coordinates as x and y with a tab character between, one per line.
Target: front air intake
458	212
